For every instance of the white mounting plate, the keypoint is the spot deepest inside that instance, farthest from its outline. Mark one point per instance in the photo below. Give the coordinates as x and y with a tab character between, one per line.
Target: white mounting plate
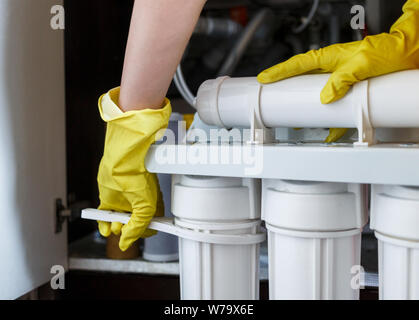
378	164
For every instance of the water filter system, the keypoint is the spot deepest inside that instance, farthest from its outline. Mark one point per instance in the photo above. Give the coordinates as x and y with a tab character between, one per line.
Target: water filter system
217	221
313	227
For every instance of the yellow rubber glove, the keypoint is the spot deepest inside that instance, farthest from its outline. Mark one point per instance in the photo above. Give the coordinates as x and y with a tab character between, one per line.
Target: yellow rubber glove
124	183
352	62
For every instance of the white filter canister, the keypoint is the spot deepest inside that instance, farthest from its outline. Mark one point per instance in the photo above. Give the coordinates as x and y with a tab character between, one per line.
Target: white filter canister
211	271
225	208
314	265
314	239
395	219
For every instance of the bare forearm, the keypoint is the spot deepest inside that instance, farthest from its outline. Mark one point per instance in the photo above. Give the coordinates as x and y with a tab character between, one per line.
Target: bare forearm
159	33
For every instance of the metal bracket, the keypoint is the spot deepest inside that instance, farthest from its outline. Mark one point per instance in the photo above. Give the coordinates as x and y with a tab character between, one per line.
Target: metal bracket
61	215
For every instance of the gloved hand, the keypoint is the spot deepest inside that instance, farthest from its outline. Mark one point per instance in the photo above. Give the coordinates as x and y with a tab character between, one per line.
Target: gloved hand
124	183
352	62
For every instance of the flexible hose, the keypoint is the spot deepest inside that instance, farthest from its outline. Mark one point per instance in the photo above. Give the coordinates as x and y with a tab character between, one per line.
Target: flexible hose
309	18
231	61
217	27
183	88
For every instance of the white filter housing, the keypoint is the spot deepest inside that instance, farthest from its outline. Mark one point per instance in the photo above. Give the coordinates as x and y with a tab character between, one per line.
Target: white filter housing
389	101
225	271
395	219
313	266
314	238
218	207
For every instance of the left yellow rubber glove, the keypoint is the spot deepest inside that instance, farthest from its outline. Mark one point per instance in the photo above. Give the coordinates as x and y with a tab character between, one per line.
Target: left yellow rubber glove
352	62
124	183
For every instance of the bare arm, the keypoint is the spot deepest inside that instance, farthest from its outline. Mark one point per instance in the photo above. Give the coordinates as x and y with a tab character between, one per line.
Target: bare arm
159	33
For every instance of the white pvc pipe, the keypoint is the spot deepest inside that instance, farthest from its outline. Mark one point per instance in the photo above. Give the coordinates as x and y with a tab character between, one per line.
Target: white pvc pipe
391	101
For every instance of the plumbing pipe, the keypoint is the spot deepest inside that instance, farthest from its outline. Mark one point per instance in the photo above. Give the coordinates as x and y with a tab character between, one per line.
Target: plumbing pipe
183	87
307	20
243	42
217	27
234	56
389	101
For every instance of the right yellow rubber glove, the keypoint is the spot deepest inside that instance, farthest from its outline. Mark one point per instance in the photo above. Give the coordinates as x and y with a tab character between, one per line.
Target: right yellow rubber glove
352	62
124	183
